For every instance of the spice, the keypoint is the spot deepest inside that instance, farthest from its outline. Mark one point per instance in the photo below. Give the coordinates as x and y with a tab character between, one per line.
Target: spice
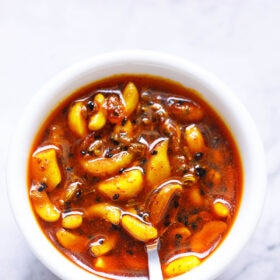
116	196
122	170
198	156
200	172
42	186
90	105
124	120
101	241
78	193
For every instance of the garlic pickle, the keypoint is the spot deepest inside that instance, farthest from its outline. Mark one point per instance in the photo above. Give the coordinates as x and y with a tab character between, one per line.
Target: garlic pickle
122	187
45	168
138	229
132	160
158	166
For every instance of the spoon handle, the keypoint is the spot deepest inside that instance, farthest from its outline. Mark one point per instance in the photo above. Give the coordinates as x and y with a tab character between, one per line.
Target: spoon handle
155	272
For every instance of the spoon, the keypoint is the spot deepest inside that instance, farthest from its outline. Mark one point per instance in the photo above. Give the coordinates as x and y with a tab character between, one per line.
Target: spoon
155	272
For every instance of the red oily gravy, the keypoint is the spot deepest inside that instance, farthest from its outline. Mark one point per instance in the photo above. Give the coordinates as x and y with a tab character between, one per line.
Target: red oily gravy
129	159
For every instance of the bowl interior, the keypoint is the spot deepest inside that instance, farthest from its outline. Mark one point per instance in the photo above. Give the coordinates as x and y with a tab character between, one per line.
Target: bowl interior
212	90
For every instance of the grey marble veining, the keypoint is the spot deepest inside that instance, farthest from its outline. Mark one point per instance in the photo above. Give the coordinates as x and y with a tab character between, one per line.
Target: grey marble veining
237	40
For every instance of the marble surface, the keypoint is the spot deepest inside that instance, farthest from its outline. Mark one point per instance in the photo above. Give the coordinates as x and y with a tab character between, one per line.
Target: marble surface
237	40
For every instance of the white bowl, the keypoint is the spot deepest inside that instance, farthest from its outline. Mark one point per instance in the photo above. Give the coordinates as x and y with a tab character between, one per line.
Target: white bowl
141	62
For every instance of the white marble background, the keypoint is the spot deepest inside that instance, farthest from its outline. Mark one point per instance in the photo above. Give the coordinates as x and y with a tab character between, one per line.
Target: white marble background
238	40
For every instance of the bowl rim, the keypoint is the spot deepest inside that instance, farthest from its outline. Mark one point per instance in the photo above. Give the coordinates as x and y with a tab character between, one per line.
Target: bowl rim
232	110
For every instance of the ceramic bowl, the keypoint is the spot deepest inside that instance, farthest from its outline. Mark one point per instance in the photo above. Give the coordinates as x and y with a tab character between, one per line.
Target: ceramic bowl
213	91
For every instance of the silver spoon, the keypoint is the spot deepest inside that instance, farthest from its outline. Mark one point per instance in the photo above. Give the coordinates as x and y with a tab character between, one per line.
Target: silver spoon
155	272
